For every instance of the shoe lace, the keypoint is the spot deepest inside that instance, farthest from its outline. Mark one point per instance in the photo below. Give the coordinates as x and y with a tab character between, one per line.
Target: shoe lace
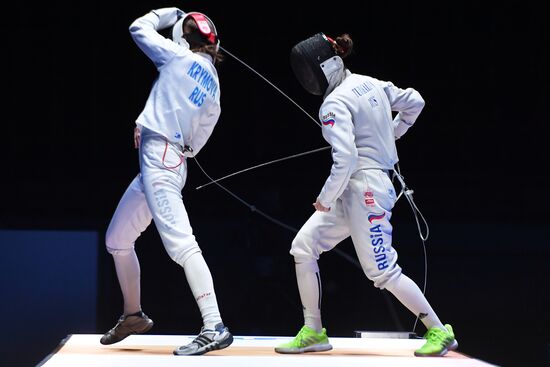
118	323
301	334
435	335
304	337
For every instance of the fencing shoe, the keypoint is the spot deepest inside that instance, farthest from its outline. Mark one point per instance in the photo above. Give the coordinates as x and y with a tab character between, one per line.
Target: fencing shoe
206	341
307	340
438	342
136	323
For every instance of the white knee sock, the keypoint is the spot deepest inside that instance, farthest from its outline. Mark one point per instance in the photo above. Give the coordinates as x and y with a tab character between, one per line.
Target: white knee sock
202	286
128	273
408	293
309	285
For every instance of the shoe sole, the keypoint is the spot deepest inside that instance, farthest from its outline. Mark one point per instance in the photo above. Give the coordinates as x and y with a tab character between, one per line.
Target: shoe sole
311	348
146	328
440	354
453	346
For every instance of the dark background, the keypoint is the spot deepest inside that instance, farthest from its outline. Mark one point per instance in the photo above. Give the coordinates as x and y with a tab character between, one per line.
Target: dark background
74	83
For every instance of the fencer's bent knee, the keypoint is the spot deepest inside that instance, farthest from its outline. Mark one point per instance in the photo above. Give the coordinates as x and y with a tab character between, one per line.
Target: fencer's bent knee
120	251
301	249
116	244
386	277
181	255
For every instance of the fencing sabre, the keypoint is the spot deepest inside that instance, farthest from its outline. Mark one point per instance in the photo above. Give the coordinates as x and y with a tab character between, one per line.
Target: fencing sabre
273	85
262	165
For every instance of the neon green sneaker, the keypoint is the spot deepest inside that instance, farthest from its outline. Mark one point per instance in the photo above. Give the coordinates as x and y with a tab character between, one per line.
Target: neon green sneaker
307	340
438	342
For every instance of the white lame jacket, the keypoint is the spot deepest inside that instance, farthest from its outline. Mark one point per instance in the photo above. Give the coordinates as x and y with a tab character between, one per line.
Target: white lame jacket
357	121
184	102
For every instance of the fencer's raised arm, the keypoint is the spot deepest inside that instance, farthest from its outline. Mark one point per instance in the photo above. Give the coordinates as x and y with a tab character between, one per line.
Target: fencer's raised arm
144	31
184	101
408	103
338	131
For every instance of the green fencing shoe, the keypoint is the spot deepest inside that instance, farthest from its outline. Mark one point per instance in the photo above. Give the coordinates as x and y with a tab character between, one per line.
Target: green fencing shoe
307	340
438	342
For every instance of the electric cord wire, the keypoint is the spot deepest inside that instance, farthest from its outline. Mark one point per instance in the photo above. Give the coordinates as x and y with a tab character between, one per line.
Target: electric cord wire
273	85
254	209
262	165
423	237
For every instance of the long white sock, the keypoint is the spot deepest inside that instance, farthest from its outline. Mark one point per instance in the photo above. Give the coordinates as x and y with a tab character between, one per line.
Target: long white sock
309	286
408	293
202	286
128	273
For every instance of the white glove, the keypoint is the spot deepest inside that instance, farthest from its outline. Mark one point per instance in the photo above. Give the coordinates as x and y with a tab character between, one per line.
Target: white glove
168	16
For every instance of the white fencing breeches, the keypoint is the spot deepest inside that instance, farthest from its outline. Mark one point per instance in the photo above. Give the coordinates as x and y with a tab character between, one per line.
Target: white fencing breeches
363	212
155	194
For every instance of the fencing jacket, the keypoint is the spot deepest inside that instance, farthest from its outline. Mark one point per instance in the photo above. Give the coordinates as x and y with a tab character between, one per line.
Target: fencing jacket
184	102
358	123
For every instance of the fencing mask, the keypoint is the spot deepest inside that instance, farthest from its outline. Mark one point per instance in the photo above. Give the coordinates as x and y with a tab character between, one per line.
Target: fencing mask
205	34
313	60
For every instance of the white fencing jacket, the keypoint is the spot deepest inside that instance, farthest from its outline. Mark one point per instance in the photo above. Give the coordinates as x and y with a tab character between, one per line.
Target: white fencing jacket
358	123
184	102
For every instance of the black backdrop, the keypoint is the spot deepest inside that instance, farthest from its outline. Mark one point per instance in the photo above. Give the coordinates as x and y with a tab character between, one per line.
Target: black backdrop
476	158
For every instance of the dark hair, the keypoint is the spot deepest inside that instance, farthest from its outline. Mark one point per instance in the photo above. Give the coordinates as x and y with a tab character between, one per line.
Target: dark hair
198	43
343	45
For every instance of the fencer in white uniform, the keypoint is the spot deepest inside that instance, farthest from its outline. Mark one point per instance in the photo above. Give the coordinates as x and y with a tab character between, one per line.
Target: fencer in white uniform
179	116
357	116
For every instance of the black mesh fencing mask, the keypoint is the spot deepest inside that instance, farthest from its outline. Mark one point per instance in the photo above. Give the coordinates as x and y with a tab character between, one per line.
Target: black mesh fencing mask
306	58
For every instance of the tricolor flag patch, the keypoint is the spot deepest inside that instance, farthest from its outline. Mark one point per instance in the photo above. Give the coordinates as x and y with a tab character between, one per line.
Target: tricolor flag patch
375	216
328	119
